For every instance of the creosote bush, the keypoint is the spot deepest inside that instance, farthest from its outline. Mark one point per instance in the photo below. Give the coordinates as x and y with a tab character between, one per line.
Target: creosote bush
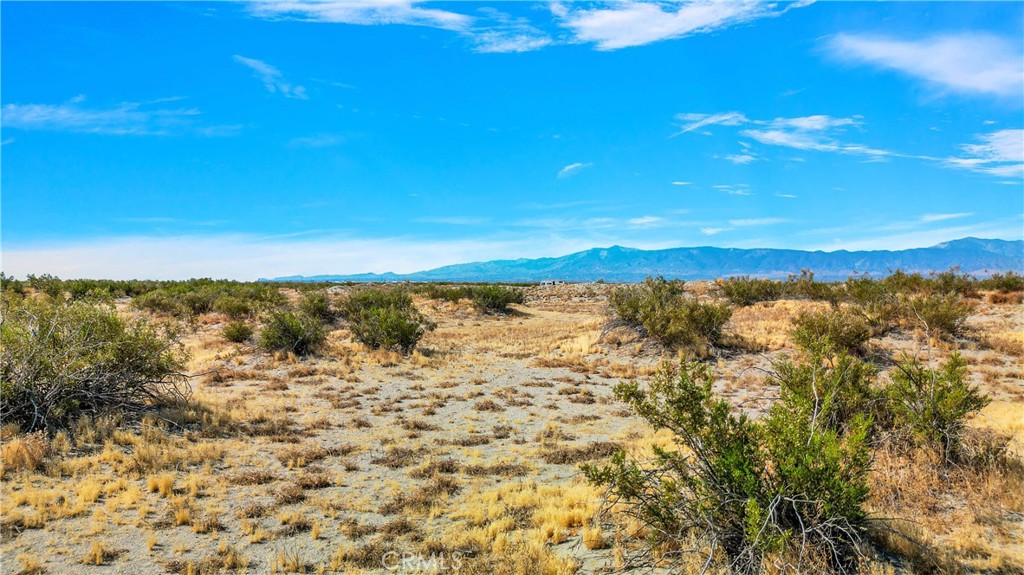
666	312
385	319
830	331
495	298
941	315
317	304
932	405
237	331
289	331
785	492
61	360
744	291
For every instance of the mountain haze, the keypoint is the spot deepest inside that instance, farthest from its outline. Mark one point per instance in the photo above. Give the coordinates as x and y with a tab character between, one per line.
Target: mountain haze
979	257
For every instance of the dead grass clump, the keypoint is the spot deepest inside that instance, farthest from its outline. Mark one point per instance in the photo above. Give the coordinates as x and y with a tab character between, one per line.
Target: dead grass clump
496	469
315	479
252	510
418	425
396	457
1009	298
207	524
368	556
25	453
567	455
470	440
302	455
435	467
99	554
360	423
294	522
553	434
398	527
227	559
253	477
290	494
488	405
423	498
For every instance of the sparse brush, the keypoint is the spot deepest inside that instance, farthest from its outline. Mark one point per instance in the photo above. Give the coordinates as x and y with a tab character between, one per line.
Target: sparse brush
286	331
59	361
831	331
237	331
933	404
746	291
664	310
939	315
317	304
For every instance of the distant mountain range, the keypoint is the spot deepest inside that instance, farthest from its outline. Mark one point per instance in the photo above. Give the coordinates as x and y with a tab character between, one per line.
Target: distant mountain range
979	257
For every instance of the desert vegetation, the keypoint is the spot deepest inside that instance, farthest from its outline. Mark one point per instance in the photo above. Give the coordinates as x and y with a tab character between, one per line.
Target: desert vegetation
740	426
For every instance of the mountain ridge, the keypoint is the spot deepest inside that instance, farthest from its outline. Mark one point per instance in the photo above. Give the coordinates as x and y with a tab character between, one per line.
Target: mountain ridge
977	256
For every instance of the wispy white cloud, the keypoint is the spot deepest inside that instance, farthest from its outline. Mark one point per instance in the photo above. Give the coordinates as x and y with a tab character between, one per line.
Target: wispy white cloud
677	183
691	121
646	221
929	218
631	23
787	196
573	168
272	78
363	12
969	62
740	159
713	231
999	154
123	119
757	222
734	189
488	31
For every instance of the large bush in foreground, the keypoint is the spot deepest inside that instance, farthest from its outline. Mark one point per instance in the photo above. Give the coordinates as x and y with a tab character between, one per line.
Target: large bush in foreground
785	492
60	360
666	312
288	331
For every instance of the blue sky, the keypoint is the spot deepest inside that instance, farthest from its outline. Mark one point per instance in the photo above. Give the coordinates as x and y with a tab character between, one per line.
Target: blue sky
263	139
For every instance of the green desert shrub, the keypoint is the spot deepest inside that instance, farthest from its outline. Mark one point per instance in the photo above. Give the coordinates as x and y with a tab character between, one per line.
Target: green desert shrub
830	331
385	319
1003	283
941	315
804	286
744	291
234	307
932	405
495	298
389	327
61	360
318	304
875	302
293	332
786	489
843	390
237	331
667	313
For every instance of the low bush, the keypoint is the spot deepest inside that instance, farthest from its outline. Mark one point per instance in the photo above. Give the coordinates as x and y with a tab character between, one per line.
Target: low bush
237	331
318	304
874	301
786	490
389	328
61	360
1003	283
289	331
666	312
932	405
385	319
940	315
803	286
495	298
829	332
744	291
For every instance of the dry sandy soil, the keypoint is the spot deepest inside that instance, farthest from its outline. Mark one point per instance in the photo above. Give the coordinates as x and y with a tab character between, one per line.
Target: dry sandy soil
464	454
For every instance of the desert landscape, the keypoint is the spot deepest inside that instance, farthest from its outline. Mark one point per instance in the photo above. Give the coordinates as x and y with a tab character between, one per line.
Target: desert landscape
463	452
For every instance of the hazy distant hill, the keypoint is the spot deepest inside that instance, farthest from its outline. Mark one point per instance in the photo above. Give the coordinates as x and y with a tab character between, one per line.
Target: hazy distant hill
618	264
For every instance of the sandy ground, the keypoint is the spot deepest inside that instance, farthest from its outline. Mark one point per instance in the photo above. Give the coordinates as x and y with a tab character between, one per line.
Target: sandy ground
468	445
